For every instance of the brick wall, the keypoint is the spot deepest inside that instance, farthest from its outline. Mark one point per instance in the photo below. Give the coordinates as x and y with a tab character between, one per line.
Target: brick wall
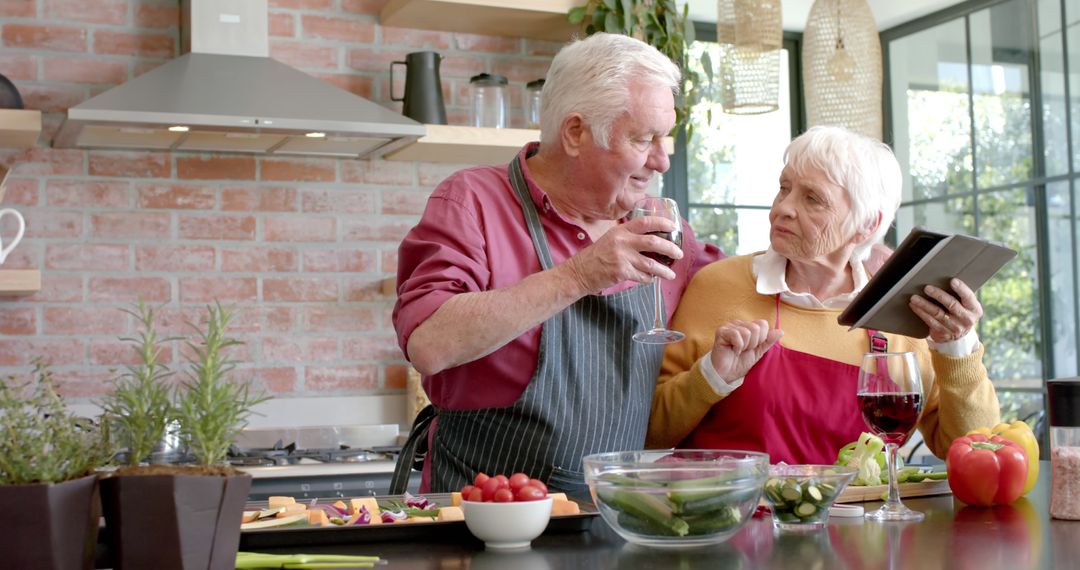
302	247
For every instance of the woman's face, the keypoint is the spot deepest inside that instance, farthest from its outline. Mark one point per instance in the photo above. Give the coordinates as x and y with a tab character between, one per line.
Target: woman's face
809	216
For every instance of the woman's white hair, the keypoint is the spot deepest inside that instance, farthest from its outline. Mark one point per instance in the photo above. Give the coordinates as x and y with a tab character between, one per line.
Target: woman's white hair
864	167
592	76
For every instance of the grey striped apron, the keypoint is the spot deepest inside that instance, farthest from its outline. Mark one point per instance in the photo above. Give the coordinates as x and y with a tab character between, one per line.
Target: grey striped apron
591	392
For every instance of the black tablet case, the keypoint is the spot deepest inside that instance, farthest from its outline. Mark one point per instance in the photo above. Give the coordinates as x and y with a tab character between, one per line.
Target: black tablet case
923	258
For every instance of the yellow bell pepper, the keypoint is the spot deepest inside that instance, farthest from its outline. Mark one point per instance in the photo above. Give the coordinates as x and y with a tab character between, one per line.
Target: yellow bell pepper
1020	433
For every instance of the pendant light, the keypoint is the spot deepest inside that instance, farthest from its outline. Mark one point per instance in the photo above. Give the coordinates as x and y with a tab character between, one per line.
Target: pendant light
750	35
842	76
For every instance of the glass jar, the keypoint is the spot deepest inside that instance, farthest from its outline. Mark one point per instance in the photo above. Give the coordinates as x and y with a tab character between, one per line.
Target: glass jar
533	90
1063	397
489	100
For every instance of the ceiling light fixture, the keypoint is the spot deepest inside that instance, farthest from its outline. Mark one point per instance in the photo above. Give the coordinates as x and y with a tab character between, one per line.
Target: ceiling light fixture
751	35
841	62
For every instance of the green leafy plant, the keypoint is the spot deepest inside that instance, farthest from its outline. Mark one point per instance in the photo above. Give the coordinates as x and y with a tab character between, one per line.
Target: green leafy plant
41	441
211	408
140	405
660	24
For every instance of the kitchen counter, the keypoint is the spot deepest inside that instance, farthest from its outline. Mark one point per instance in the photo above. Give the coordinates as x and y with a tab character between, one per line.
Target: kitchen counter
1017	536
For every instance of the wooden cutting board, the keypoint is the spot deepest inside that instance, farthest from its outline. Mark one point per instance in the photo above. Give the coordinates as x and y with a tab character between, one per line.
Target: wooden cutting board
857	494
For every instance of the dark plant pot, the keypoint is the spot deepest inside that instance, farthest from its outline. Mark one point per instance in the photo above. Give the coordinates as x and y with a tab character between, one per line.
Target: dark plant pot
50	526
171	522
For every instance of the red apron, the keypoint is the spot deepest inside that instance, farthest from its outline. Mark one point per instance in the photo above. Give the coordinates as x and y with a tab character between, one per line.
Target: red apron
797	407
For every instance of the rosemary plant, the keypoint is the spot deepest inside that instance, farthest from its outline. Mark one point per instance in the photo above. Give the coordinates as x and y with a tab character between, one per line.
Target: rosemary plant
41	441
140	405
211	408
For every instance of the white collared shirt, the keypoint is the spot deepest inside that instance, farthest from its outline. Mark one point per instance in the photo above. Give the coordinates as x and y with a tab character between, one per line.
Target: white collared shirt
770	271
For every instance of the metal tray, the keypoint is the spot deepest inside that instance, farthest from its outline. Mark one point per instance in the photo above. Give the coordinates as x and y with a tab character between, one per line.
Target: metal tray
438	530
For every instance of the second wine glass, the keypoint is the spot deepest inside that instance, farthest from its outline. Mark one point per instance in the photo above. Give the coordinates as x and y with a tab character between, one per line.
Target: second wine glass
661	208
890	396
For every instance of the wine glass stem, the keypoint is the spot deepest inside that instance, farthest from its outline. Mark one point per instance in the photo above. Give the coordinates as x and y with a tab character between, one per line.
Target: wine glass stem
658	305
891	449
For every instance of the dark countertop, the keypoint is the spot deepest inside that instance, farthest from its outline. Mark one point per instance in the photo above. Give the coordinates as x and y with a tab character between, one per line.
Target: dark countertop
954	536
1017	536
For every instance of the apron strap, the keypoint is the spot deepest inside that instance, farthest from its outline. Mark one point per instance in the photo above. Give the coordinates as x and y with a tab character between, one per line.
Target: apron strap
414	451
777	311
878	342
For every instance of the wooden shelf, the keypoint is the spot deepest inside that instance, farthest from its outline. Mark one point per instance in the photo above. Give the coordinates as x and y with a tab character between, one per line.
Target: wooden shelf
15	282
466	145
473	145
538	19
19	128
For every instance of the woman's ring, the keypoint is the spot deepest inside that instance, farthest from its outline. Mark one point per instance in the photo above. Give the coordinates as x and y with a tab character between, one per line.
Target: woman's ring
945	319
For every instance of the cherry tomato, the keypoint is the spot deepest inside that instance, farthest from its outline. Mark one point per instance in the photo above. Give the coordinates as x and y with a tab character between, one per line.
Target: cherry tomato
530	493
489	488
517	481
503	496
504	483
481	478
466	490
539	485
476	495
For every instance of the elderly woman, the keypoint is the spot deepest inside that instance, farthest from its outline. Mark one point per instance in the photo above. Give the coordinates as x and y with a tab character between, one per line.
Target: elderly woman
765	366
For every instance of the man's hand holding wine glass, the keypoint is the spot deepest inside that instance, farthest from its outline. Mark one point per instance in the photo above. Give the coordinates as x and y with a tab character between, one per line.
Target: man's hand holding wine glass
618	255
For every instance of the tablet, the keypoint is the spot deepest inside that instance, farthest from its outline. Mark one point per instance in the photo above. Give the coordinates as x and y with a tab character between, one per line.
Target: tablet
923	258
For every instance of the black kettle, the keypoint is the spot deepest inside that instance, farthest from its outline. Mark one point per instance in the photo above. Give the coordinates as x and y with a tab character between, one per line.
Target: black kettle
423	89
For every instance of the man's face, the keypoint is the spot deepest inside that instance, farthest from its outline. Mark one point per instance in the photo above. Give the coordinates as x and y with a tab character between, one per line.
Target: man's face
809	216
635	153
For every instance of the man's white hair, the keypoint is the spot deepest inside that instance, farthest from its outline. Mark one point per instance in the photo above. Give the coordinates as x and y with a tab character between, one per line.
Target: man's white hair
592	76
862	166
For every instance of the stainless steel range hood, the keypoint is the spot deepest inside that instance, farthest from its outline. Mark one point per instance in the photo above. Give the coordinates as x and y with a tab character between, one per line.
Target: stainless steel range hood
227	95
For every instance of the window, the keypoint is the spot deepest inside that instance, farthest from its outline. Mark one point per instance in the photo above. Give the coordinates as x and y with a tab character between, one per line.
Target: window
725	177
978	112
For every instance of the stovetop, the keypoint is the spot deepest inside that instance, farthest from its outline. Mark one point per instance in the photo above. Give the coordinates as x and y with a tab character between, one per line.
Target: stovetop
280	455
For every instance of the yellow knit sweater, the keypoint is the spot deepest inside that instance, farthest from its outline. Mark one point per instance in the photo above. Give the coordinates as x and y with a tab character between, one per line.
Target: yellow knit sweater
958	394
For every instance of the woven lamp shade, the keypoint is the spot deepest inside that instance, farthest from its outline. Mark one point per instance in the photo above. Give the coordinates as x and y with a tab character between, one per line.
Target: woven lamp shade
751	36
842	67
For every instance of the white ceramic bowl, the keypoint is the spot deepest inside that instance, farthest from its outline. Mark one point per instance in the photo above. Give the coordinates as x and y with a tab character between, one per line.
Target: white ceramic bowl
507	526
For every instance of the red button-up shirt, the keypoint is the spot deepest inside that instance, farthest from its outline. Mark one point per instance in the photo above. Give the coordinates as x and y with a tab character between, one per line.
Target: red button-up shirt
472	237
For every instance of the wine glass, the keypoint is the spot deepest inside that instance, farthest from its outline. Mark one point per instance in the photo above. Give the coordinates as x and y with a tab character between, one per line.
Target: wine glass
890	398
663	208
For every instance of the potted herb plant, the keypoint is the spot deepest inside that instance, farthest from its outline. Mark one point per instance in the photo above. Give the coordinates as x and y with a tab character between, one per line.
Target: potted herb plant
660	24
47	484
182	516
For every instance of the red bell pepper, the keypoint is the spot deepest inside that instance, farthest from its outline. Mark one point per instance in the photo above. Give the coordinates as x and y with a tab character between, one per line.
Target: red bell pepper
986	471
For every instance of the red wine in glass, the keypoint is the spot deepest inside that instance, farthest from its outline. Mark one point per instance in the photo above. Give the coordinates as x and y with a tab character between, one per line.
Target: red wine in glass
674	236
889	396
662	208
892	415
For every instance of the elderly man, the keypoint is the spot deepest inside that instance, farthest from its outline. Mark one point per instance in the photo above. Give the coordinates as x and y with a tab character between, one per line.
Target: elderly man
518	290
